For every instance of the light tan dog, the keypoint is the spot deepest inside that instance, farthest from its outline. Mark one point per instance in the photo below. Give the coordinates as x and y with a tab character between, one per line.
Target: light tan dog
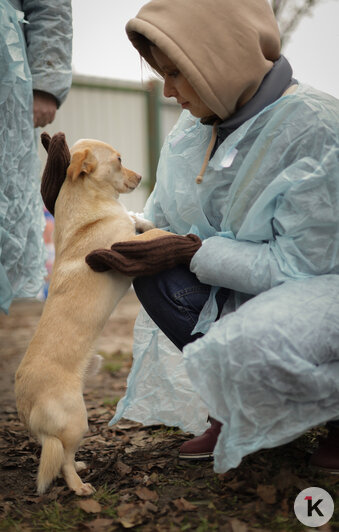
50	378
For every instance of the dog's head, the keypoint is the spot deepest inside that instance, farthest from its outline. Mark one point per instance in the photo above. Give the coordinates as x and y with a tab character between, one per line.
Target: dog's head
99	162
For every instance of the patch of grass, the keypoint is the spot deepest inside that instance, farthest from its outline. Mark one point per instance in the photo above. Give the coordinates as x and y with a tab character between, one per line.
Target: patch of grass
115	355
56	517
202	525
111	401
164	480
288	524
10	525
205	525
114	361
112	367
108	498
166	431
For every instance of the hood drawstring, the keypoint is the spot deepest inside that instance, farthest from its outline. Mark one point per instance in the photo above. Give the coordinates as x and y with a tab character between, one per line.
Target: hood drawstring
199	178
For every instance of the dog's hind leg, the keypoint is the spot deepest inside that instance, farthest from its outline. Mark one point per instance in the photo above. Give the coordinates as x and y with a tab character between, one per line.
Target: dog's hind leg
71	439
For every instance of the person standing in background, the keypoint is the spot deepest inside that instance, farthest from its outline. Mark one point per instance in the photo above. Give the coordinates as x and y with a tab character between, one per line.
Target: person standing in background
36	75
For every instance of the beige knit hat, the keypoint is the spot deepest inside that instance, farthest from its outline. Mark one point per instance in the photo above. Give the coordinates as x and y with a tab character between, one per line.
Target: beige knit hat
224	48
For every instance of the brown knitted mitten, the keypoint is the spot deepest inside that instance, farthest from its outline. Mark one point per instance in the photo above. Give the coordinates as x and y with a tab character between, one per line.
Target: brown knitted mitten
54	174
136	258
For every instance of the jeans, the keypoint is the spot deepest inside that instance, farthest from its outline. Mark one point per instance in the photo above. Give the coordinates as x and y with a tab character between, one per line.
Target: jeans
173	299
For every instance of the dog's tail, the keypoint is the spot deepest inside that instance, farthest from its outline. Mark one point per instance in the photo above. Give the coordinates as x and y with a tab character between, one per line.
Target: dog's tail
51	460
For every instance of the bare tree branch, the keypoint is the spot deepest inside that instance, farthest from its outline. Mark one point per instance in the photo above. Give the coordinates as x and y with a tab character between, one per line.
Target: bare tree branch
290	12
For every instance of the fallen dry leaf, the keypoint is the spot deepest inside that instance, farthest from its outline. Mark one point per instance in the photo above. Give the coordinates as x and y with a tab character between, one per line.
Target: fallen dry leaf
122	469
238	526
150	507
125	508
146	495
183	505
89	506
98	525
285	479
140	438
267	493
130	515
126	425
154	477
236	484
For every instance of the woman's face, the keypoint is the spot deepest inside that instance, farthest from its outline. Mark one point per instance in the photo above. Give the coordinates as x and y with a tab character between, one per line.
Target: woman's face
177	86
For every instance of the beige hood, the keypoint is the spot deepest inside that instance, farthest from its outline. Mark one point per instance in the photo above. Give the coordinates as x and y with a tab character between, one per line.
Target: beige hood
224	48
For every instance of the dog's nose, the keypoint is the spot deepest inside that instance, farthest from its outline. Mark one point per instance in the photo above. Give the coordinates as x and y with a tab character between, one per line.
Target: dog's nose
139	178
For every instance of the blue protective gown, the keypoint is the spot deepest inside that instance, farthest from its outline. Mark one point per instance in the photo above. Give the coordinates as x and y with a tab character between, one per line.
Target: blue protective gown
22	253
268	213
48	37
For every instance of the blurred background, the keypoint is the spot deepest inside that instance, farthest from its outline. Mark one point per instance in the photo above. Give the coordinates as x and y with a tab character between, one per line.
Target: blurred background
113	99
310	35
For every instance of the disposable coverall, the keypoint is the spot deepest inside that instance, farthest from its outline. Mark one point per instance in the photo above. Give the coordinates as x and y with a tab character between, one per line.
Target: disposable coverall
41	62
268	214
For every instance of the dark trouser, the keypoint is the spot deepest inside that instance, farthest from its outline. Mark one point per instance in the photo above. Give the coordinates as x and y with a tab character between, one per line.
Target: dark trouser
174	299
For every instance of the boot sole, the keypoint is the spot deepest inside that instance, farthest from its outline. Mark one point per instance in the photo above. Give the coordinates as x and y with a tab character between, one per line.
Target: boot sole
198	456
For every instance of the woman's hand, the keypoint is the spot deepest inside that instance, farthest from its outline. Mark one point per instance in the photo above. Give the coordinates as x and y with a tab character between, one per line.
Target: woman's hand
44	108
137	257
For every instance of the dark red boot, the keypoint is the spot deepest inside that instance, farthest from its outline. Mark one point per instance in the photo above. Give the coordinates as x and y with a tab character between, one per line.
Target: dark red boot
326	457
201	447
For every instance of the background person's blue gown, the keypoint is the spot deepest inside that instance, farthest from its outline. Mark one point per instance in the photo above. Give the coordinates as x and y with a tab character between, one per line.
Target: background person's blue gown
22	253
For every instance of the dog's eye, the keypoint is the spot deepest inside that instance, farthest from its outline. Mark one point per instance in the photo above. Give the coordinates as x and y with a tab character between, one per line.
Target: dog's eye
119	159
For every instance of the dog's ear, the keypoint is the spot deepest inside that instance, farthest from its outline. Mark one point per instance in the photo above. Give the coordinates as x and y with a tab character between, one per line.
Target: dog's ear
82	163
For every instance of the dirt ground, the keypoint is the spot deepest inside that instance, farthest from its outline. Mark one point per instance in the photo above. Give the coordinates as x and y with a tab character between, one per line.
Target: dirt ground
141	484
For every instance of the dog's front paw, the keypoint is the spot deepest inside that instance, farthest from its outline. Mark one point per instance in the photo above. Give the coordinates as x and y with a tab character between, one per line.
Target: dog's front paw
142	225
85	489
145	225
